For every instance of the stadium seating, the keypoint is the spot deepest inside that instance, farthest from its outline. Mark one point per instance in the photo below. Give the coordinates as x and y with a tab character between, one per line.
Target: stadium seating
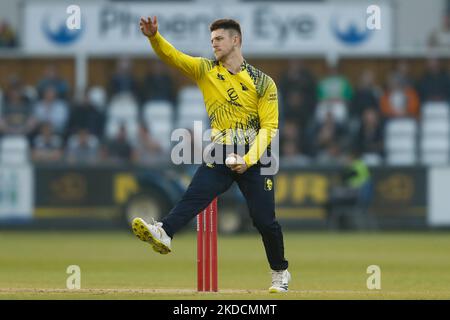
14	149
337	108
435	134
190	94
123	107
191	108
31	93
435	110
122	110
1	101
97	97
113	126
158	111
159	117
400	141
372	159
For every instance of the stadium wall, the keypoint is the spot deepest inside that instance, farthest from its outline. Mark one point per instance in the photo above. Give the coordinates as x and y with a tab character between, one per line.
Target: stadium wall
402	196
30	69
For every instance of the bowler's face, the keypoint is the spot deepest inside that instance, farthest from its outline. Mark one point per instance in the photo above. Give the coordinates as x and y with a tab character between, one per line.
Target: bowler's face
222	43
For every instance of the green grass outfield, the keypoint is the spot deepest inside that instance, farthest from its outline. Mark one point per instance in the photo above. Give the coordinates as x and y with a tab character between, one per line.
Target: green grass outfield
116	265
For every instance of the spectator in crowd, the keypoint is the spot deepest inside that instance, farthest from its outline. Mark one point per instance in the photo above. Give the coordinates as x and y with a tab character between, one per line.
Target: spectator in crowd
366	96
292	155
146	149
53	79
298	80
118	150
291	144
96	96
292	132
403	71
369	138
84	115
158	84
334	86
16	116
434	85
331	155
82	147
328	136
352	194
47	146
400	100
334	93
53	110
123	80
296	110
14	82
440	37
7	36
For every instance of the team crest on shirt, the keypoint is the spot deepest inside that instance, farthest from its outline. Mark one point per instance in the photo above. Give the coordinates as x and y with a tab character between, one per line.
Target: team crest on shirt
268	184
232	94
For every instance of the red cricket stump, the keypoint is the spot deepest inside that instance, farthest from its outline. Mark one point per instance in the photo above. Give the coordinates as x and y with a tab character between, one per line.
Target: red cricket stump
214	245
200	217
207	252
207	248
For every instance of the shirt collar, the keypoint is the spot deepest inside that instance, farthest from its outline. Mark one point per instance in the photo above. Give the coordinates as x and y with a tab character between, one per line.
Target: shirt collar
242	68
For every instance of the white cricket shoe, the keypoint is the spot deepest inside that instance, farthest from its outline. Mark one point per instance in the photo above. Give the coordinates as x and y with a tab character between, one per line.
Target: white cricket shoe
153	234
280	281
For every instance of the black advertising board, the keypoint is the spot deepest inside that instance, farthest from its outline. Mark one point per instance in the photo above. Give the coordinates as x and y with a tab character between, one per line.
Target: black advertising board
300	193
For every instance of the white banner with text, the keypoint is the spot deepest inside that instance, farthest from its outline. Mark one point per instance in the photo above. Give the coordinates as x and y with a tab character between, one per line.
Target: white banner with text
269	29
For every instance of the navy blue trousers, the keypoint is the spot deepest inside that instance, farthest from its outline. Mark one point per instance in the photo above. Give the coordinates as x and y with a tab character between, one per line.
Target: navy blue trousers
258	190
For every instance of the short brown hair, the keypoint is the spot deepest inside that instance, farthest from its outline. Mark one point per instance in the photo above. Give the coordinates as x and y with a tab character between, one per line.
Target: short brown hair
227	24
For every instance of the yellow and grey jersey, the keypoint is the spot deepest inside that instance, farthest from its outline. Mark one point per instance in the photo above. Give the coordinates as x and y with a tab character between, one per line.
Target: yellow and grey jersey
242	107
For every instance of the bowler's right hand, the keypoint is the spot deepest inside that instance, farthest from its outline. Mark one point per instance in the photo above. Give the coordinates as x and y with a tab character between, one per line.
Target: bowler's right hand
149	27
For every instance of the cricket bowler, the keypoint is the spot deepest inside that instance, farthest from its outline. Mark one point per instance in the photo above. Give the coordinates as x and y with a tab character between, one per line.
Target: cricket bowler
242	105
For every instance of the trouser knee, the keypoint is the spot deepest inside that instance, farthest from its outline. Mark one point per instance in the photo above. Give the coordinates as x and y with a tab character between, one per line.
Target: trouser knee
265	227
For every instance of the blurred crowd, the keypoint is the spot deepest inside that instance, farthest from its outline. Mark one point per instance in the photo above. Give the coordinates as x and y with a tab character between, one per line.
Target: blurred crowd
322	120
7	35
326	119
59	128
